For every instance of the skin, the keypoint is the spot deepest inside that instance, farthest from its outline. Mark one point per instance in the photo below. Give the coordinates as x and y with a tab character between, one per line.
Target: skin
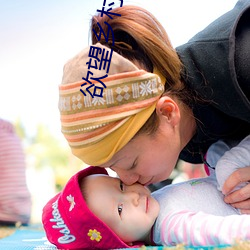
240	198
160	152
130	163
130	211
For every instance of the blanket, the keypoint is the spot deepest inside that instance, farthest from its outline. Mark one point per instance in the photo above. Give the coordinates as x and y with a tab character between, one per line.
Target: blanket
33	238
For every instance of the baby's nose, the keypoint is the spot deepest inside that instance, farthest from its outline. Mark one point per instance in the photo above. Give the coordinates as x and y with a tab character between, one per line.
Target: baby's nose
133	197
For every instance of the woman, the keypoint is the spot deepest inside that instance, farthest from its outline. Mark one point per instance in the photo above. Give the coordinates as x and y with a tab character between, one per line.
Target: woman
139	123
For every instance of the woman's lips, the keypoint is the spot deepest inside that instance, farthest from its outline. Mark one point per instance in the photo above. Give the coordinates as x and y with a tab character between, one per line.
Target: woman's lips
148	183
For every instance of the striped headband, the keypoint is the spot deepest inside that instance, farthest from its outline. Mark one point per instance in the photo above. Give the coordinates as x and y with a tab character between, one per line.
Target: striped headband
96	127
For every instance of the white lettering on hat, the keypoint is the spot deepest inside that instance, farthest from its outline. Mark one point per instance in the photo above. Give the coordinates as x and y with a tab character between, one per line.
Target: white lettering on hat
67	237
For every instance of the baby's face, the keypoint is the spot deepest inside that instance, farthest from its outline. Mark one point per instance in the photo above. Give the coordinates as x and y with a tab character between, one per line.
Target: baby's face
130	211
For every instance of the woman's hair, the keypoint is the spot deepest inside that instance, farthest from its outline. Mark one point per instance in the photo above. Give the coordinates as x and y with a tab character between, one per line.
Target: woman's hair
140	38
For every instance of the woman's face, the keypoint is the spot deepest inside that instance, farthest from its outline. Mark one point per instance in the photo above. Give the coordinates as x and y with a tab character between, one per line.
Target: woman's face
148	159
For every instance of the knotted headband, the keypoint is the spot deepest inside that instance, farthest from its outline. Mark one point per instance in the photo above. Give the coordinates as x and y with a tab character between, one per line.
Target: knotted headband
98	127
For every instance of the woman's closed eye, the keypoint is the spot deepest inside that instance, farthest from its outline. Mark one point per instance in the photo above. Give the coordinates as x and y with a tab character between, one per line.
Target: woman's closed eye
121	186
120	206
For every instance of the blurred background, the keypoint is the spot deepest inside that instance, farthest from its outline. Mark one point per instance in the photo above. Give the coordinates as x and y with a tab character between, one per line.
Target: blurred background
36	39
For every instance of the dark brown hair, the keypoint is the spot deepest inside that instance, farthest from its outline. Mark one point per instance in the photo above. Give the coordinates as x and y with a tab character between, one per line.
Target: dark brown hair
140	37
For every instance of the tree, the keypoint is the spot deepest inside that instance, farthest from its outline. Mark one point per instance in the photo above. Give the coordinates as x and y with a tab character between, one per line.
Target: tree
45	150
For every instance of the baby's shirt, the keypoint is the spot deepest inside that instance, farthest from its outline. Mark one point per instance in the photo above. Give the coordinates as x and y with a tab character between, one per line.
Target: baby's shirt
194	212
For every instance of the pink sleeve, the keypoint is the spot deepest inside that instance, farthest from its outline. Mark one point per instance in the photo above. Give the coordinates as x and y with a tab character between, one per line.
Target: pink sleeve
201	229
15	200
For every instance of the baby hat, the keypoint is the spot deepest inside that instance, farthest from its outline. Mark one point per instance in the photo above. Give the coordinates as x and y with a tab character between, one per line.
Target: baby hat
100	117
69	223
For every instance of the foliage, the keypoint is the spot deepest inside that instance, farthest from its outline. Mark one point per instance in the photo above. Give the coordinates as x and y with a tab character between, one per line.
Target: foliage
45	150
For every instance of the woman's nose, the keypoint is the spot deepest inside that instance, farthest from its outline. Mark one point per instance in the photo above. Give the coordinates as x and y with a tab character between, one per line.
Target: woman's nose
126	177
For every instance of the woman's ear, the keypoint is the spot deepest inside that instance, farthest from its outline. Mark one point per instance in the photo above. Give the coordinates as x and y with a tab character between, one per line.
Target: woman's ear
168	109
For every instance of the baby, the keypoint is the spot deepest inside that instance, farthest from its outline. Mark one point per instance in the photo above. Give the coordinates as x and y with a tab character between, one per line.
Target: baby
96	211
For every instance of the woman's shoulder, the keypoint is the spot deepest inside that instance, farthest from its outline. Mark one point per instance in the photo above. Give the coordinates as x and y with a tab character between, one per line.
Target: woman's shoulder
209	65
